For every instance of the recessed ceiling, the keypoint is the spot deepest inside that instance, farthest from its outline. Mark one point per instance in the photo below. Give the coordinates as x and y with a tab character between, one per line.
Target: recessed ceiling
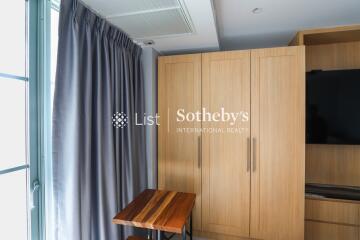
173	25
279	20
189	25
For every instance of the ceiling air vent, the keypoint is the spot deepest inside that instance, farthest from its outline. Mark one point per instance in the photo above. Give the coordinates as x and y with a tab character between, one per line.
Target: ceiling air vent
153	18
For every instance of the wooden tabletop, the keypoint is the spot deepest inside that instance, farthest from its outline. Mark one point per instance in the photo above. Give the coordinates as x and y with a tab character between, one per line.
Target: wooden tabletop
158	209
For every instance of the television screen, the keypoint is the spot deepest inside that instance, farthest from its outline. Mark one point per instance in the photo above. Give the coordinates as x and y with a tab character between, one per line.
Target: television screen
333	107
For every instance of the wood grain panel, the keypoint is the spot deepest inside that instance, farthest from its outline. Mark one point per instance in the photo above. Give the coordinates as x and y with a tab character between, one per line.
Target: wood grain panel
298	40
327	231
278	126
158	209
333	56
339	34
135	238
332	37
332	211
179	85
217	236
225	169
333	164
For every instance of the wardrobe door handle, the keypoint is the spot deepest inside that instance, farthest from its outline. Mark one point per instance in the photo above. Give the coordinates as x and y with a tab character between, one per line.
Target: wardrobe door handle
254	154
199	152
248	154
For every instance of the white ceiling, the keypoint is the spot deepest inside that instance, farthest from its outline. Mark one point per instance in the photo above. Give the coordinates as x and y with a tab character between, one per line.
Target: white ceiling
239	28
199	12
236	27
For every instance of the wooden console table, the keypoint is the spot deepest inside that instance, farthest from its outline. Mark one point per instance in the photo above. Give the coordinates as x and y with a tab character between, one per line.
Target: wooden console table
164	211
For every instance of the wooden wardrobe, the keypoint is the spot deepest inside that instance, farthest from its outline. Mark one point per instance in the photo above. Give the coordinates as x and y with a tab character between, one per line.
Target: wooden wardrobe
249	184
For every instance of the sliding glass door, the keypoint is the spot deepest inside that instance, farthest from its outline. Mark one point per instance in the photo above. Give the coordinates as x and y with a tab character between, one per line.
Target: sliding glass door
14	164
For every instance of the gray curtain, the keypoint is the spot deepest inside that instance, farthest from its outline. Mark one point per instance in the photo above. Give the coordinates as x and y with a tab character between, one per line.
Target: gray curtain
97	168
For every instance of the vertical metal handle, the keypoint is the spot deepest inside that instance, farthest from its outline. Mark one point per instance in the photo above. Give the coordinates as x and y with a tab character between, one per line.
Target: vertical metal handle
35	190
248	154
254	154
199	152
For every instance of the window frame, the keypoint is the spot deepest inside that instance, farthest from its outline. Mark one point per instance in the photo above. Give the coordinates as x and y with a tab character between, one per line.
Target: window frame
39	112
38	131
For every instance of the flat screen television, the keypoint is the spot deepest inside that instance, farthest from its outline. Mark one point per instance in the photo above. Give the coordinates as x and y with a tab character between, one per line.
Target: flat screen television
333	107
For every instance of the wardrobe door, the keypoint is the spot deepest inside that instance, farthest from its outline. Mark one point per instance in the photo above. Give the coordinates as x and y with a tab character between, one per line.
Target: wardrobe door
225	162
278	143
179	88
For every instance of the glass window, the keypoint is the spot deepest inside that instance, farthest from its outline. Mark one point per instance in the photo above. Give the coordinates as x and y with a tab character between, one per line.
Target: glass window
54	47
12	123
13	207
14	212
12	40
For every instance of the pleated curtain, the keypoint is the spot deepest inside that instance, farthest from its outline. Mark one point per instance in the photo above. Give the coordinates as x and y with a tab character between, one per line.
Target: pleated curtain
98	165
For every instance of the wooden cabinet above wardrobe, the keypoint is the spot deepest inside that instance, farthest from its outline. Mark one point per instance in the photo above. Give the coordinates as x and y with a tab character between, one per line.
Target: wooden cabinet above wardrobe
247	173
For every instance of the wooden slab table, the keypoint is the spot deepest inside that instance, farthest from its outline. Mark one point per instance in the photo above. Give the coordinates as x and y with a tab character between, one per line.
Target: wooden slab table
164	211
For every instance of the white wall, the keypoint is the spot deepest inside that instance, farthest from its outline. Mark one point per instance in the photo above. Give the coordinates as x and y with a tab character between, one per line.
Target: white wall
149	61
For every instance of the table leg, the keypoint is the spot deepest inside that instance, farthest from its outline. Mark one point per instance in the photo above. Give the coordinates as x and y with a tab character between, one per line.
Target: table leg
149	234
159	235
191	227
184	233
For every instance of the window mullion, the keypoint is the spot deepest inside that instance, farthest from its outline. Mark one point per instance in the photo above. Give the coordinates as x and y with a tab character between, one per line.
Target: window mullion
11	76
14	169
